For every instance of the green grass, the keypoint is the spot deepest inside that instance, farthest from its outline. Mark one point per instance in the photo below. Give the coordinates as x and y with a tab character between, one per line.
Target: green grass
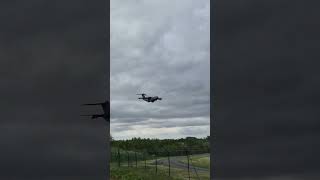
202	161
133	173
183	174
140	173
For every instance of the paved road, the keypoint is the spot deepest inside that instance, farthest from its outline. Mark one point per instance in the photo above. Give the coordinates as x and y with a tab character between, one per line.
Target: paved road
175	162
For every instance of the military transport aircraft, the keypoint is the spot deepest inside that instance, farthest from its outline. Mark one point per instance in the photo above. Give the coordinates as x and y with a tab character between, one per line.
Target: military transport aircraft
149	98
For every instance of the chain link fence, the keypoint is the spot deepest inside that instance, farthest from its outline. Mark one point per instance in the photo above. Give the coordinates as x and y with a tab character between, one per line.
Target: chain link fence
184	163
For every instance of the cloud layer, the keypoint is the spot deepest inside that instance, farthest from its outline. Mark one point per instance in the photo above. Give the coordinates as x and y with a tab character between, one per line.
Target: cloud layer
160	48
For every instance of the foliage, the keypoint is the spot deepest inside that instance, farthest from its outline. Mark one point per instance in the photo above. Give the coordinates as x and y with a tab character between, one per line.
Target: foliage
162	147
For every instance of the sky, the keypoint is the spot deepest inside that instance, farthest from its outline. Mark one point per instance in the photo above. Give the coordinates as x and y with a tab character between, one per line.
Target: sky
161	48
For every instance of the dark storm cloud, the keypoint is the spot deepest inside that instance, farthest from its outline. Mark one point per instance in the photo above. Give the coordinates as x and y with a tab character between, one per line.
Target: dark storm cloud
53	58
266	90
160	48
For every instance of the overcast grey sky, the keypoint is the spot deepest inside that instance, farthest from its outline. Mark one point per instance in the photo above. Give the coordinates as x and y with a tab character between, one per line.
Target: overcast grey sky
160	47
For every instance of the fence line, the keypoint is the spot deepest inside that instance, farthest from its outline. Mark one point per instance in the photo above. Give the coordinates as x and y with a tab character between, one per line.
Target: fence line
142	157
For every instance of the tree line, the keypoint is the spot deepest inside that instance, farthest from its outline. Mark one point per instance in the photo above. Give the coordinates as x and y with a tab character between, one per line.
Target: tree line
161	147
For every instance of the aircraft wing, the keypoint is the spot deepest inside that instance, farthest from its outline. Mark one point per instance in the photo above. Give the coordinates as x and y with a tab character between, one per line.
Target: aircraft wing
104	105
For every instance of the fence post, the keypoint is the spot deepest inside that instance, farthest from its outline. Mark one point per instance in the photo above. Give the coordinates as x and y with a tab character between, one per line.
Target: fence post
169	161
135	154
128	159
145	161
188	164
119	157
156	164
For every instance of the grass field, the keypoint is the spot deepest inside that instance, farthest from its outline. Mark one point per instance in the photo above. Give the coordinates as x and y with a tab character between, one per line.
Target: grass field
140	173
133	173
183	174
202	160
